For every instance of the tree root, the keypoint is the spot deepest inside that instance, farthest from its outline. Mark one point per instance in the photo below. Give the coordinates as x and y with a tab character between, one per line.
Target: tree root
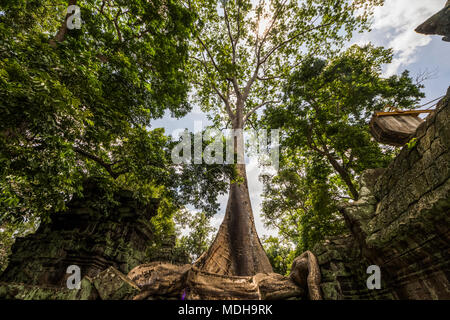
159	280
305	270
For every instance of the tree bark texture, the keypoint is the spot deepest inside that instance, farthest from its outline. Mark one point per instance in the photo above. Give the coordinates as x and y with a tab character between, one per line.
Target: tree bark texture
158	280
305	270
237	249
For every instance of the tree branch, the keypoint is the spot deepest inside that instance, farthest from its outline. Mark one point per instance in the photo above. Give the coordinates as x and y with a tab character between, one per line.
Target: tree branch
227	22
268	78
63	29
271	51
266	33
233	47
257	107
342	172
224	99
116	25
105	165
209	54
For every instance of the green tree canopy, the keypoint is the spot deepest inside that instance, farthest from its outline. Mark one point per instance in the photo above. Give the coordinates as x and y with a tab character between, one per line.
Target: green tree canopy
78	103
243	51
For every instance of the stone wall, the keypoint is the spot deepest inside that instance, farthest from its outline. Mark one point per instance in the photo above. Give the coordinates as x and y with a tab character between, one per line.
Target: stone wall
400	223
87	237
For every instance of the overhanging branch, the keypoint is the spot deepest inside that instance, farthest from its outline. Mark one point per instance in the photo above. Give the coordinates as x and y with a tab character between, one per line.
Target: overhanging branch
106	166
253	110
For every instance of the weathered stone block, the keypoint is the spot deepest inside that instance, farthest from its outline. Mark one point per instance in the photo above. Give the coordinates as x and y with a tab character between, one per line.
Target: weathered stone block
331	291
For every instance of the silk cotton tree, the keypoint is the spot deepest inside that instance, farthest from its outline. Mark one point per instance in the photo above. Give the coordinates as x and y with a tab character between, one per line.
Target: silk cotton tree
241	54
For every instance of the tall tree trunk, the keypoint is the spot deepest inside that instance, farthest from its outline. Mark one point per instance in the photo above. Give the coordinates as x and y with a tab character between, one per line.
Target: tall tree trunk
236	249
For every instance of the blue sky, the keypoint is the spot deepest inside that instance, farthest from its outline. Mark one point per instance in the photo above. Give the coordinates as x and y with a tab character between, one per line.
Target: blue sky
393	27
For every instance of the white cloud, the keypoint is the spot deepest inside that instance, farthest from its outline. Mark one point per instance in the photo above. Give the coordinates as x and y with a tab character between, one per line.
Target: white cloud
394	25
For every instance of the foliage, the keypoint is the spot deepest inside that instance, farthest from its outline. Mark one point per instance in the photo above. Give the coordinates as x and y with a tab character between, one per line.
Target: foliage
8	233
326	143
328	106
79	107
280	254
300	202
200	183
200	237
411	143
79	103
